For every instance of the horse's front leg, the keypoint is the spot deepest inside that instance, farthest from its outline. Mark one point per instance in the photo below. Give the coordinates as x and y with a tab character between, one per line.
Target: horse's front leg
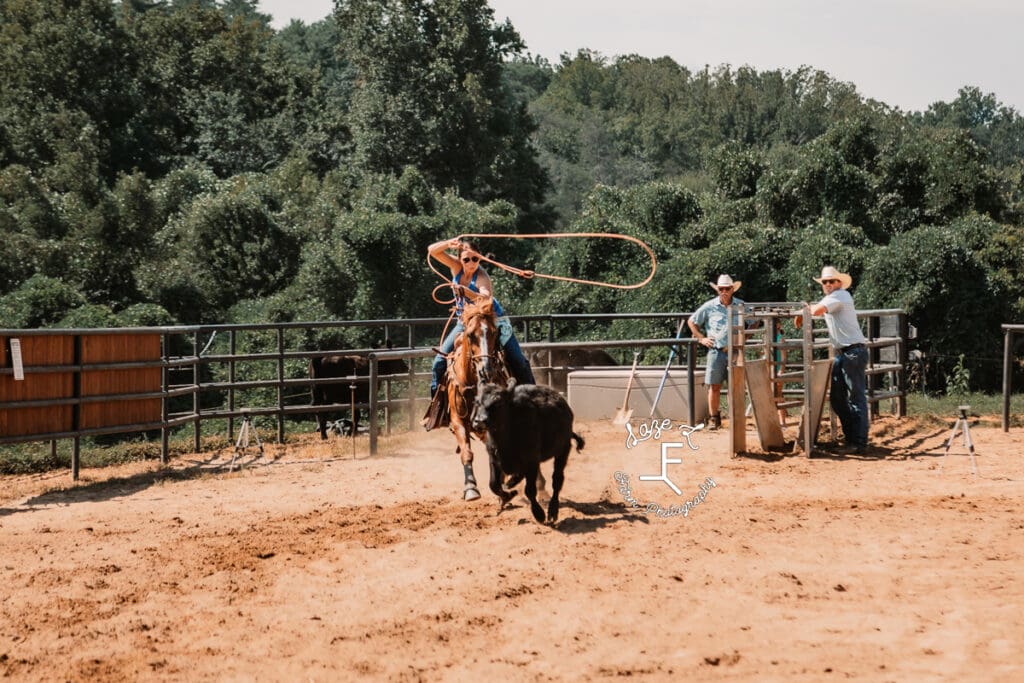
470	490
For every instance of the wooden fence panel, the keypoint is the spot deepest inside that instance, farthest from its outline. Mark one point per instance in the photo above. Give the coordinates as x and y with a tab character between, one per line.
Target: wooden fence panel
46	351
115	348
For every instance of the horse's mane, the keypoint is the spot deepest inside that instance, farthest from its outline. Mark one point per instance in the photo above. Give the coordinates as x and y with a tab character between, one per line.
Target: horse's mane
474	311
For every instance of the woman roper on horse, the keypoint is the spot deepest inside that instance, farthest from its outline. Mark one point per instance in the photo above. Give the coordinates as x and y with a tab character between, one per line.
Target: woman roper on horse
474	361
479	316
471	283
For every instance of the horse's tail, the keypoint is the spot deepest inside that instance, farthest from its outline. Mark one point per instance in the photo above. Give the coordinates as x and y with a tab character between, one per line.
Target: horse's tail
579	441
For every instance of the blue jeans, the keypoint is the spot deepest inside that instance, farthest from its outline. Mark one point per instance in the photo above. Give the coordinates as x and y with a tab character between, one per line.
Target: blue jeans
514	358
849	394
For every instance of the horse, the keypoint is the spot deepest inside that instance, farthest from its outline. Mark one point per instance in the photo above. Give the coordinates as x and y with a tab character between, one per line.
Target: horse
477	358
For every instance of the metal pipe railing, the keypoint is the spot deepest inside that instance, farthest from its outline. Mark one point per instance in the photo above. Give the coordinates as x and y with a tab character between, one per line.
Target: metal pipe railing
196	364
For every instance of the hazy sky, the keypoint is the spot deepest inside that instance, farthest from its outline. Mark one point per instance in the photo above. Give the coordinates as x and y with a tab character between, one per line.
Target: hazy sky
906	53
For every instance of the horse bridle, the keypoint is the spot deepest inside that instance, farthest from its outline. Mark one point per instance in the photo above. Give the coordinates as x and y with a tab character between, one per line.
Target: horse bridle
476	358
485	347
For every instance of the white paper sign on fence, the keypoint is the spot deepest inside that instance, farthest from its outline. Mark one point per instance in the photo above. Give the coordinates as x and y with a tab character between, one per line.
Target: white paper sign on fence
19	370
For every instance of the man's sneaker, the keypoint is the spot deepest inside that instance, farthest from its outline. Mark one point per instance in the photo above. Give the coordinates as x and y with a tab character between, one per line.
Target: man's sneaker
715	422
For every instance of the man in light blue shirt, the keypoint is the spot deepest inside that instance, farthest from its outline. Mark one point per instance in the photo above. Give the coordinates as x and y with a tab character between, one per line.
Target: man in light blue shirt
848	395
710	326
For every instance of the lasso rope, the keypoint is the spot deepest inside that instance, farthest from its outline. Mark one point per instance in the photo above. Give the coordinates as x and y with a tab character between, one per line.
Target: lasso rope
529	274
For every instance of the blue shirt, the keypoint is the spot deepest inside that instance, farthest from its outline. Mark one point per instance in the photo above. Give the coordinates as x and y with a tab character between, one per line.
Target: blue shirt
460	301
713	317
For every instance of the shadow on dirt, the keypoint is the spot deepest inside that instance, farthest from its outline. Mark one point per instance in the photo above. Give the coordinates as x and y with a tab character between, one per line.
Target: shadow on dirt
882	448
597	516
770	456
876	452
118	487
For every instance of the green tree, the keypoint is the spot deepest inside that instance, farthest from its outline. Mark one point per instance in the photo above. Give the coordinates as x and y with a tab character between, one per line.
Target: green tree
67	70
1003	257
735	170
226	246
327	140
959	179
245	10
935	274
40	301
218	91
994	126
430	94
30	225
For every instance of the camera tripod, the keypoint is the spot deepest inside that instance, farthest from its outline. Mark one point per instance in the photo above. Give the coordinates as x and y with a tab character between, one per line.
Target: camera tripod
962	424
244	433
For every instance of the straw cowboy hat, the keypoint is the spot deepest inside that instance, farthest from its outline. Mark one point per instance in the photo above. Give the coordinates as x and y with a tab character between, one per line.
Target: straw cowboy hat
830	273
726	281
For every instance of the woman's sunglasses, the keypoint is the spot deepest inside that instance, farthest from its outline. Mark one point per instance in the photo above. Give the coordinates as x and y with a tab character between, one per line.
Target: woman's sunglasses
467	259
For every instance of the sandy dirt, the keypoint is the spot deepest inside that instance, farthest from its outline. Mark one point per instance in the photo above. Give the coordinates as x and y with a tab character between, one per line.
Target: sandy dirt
308	564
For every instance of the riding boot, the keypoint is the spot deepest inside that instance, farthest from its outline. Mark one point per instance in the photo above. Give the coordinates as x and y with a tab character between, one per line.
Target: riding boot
715	422
437	413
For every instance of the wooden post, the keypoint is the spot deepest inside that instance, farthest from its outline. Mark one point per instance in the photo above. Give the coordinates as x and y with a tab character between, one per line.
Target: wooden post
737	382
691	390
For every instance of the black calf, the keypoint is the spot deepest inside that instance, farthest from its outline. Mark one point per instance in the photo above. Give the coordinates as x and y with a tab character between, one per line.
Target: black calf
526	425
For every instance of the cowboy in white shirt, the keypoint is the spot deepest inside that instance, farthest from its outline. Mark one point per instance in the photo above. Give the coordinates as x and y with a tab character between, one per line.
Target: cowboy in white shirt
848	395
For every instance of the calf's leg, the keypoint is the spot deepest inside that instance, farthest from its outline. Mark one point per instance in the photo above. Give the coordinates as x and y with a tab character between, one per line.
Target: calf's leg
496	481
557	479
531	492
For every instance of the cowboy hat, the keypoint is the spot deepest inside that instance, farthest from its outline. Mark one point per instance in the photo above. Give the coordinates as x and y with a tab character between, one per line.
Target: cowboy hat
830	273
726	281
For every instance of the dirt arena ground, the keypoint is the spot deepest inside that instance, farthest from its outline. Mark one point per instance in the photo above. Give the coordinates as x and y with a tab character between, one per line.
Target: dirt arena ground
311	565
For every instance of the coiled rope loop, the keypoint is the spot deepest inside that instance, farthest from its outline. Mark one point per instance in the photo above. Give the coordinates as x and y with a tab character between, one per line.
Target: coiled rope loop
529	274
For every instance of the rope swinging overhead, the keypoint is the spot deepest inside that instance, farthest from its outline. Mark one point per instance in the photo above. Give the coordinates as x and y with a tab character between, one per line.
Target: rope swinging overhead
530	274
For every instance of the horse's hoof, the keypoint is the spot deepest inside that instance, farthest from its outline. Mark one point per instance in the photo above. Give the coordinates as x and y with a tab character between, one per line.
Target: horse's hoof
470	494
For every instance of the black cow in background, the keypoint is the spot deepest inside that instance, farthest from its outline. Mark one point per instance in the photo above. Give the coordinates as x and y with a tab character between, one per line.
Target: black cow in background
356	367
526	424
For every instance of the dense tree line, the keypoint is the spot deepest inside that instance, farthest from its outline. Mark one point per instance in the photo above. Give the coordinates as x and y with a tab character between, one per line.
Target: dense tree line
181	162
